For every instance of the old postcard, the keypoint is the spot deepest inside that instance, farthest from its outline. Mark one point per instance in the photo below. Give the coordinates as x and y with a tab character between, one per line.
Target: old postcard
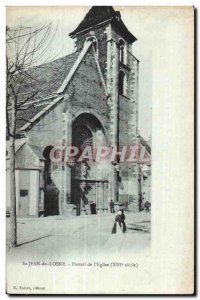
99	160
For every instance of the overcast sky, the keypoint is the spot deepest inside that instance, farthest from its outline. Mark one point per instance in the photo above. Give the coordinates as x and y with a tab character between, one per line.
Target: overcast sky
139	22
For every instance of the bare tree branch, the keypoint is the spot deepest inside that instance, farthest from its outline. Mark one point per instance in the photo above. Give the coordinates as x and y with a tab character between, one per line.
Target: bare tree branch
25	46
28	98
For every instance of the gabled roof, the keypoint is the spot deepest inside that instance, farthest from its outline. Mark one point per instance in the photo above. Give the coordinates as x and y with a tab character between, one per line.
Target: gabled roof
20	143
38	151
47	78
28	114
99	14
86	47
64	75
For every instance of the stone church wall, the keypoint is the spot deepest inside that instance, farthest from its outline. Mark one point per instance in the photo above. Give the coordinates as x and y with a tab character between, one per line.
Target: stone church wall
48	129
88	93
100	34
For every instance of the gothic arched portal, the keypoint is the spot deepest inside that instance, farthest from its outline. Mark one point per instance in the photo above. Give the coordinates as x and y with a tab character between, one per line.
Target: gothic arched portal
89	180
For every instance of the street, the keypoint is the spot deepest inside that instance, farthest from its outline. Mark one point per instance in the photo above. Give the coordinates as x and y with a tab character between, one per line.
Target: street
80	237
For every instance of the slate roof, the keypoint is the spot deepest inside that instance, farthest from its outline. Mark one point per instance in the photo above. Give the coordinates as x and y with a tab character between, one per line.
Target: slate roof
96	15
99	14
48	77
28	114
46	80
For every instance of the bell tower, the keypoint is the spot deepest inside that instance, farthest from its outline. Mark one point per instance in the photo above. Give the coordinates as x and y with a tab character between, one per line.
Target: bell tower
113	45
112	42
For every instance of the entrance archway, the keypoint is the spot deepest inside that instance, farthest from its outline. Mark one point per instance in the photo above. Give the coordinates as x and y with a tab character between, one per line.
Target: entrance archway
88	182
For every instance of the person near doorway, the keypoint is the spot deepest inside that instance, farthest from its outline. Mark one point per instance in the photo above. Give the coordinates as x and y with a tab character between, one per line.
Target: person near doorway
93	208
123	220
118	226
112	206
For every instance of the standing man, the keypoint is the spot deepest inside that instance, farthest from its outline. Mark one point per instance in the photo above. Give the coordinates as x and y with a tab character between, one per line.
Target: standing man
147	206
111	206
93	208
123	220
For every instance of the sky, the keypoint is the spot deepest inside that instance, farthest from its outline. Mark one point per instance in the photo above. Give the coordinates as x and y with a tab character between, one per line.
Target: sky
65	19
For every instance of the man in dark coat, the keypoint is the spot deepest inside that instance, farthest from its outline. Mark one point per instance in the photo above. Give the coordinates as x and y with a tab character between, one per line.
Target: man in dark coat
123	221
93	208
147	206
112	206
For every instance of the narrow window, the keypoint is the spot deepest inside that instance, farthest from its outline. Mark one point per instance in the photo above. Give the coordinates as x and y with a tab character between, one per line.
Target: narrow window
23	193
94	45
121	82
93	39
121	51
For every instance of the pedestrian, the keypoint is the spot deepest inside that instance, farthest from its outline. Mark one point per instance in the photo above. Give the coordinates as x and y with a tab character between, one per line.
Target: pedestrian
118	226
112	206
93	208
123	221
147	206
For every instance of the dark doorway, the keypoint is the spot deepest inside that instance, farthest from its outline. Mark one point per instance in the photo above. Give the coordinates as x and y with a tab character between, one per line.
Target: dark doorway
51	192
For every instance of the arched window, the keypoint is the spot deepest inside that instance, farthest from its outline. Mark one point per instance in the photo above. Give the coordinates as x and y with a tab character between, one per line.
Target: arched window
121	51
93	39
121	83
94	43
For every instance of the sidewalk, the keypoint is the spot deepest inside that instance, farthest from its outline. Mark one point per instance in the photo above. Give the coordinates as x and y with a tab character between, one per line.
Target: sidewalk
139	222
48	237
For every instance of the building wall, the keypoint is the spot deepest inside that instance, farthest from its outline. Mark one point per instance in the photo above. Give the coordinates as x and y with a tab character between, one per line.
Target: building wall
85	94
34	193
27	192
146	185
26	159
127	108
28	172
88	93
128	130
48	130
101	35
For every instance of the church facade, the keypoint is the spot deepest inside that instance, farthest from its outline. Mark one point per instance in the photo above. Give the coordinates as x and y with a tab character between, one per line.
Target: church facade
88	98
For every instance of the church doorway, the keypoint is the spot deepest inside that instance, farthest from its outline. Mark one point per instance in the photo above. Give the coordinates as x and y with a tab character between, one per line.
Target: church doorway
87	177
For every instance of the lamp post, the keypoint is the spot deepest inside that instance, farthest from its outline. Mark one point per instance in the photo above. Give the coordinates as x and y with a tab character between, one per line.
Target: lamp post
140	186
139	174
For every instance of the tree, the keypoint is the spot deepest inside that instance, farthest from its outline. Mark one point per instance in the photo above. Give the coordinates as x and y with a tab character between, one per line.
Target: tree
25	47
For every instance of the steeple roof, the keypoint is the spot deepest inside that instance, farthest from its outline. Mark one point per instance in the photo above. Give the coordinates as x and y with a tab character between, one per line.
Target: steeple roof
99	14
